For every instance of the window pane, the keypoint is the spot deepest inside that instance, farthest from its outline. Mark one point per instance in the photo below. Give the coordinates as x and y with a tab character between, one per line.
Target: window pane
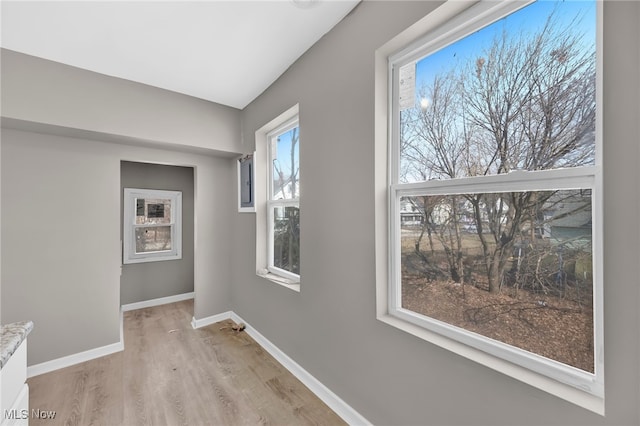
286	238
153	238
152	211
514	266
285	153
517	94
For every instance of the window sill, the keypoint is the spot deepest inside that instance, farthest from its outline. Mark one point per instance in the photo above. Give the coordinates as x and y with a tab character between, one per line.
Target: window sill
286	283
567	392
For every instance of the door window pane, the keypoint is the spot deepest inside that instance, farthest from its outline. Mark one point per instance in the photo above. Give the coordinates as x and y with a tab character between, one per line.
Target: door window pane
153	211
153	238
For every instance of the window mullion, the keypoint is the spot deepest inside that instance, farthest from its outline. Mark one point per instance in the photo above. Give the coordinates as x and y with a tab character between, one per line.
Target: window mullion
295	202
526	181
153	225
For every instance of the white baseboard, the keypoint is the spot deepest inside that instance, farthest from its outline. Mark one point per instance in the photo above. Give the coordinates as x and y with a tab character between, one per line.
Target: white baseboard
197	323
341	408
158	301
67	361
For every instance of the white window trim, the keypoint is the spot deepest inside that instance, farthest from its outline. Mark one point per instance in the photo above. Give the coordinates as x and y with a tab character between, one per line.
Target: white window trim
262	203
453	21
129	217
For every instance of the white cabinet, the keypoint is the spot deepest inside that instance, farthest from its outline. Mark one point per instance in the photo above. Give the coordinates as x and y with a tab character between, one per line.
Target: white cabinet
14	394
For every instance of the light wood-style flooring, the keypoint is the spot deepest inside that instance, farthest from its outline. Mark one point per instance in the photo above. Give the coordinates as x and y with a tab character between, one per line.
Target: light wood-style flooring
171	374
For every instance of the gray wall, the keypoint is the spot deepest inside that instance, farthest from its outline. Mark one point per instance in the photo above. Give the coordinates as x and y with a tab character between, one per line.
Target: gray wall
330	327
61	237
47	92
60	260
64	273
152	280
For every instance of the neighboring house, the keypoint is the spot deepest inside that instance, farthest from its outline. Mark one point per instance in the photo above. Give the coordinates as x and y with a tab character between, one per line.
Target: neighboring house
410	214
569	221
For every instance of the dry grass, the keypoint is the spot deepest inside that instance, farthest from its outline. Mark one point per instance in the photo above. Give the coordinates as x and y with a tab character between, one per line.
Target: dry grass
554	326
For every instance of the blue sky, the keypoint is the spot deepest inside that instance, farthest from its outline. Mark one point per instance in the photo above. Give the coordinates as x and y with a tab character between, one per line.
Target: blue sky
284	152
529	19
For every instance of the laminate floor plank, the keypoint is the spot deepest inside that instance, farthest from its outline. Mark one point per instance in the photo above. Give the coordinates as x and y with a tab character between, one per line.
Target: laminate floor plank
170	374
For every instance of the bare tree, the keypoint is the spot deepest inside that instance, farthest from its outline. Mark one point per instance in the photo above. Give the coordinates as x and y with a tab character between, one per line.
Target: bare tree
434	144
526	103
287	228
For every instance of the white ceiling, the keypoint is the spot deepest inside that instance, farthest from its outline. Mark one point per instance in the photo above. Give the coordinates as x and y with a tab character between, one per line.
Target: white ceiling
222	51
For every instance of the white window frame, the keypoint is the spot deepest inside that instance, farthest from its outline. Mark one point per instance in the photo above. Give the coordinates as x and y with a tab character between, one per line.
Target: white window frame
272	203
261	173
447	24
129	226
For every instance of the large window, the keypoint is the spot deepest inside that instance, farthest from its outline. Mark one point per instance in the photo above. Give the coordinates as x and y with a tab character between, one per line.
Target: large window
152	228
283	201
494	187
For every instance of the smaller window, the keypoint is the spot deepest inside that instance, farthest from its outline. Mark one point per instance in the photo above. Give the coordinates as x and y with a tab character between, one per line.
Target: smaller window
283	203
152	225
